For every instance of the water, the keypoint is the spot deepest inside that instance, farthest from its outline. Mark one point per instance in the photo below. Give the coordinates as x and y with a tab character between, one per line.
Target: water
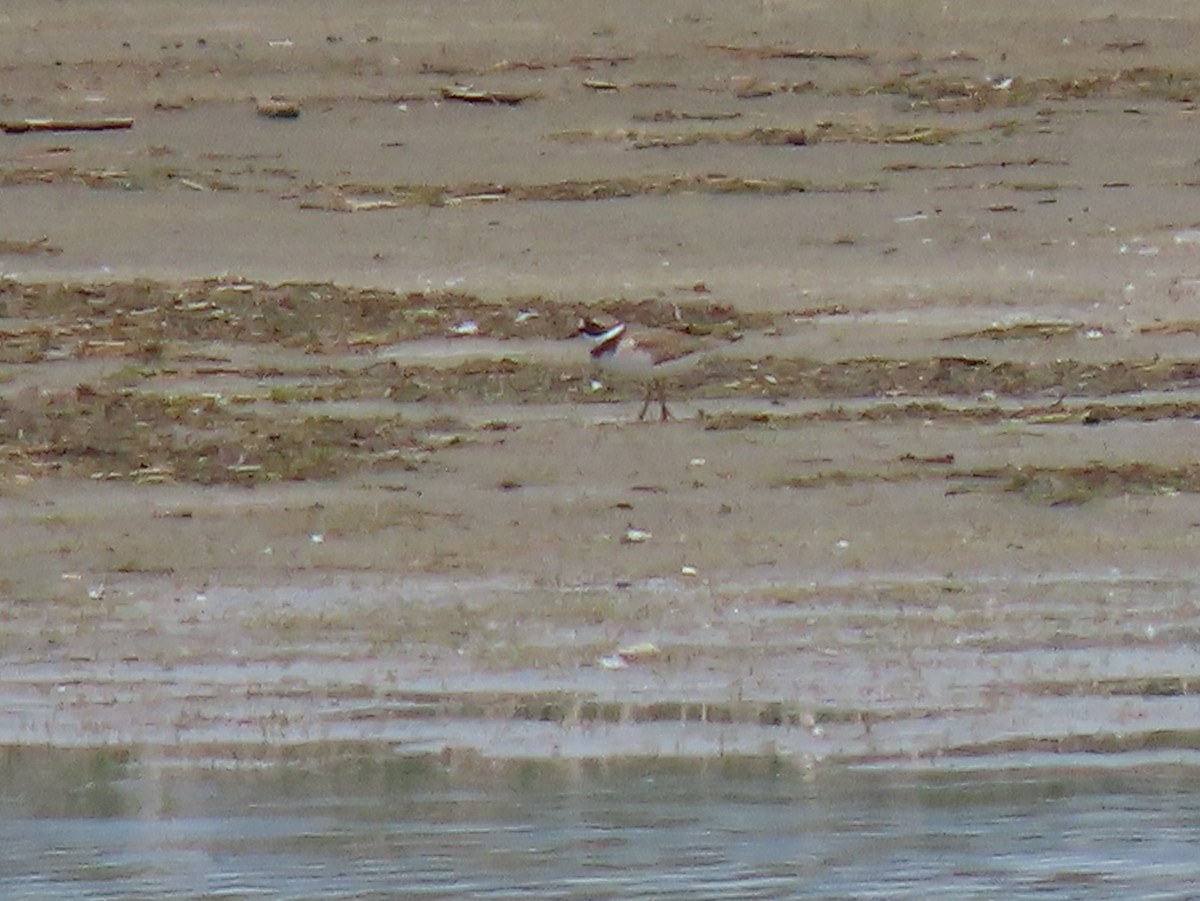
99	827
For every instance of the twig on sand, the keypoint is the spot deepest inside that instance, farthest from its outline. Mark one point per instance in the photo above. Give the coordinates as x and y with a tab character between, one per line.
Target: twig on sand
20	126
32	246
277	108
472	95
776	52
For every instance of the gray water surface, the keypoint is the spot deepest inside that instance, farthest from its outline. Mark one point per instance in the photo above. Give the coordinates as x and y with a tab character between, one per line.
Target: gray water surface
105	827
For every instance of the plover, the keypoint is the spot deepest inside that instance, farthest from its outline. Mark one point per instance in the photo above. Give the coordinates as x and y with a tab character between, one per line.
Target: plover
651	355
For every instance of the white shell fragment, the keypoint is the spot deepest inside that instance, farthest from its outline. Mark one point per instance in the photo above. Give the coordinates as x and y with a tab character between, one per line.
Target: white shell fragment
639	652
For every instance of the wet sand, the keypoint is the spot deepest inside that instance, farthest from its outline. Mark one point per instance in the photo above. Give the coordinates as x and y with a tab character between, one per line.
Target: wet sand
295	450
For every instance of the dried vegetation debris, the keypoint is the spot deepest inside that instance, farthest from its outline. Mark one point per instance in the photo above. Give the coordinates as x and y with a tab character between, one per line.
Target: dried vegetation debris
1003	163
821	131
1067	485
123	434
28	246
956	93
1071	485
353	196
290	314
181	402
316	315
960	377
166	415
779	51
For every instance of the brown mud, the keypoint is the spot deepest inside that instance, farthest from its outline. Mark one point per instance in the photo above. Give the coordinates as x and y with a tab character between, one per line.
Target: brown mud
295	450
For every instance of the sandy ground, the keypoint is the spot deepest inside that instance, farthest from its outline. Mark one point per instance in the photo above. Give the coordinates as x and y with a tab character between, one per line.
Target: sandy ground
294	447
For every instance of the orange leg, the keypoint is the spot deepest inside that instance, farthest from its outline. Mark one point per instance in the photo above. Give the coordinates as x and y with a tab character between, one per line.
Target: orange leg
656	390
646	402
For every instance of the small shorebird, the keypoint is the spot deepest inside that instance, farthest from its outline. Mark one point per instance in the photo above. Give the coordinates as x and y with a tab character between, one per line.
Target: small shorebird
650	355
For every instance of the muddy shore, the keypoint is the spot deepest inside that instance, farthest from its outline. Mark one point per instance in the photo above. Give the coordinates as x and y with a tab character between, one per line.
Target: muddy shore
296	451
